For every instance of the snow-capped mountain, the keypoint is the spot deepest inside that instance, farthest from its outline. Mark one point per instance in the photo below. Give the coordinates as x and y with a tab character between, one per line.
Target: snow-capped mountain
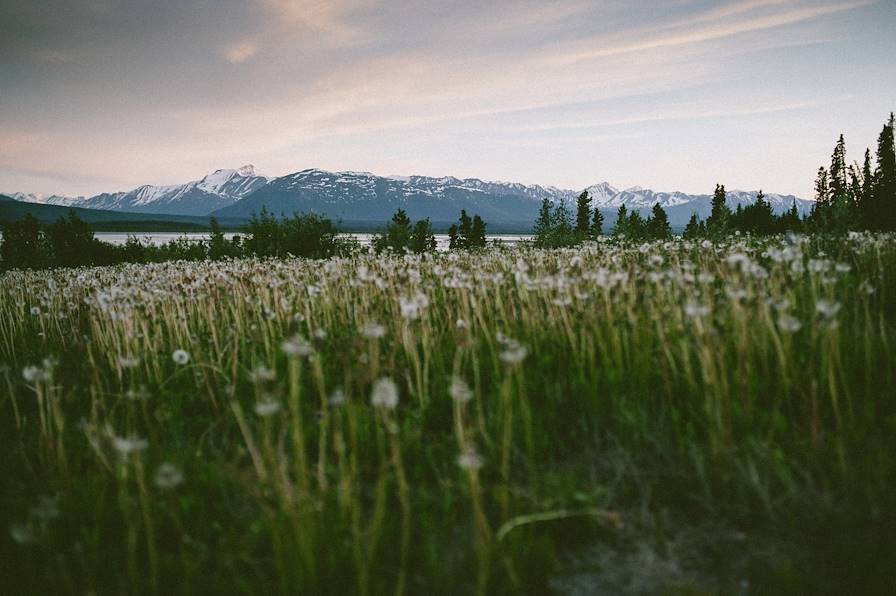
200	197
30	197
219	189
362	196
365	197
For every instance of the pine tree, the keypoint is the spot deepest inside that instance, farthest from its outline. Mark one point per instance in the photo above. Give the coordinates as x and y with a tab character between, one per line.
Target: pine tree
718	221
453	239
620	227
583	213
477	238
884	192
422	237
636	226
658	227
597	223
837	187
692	230
821	186
544	223
466	226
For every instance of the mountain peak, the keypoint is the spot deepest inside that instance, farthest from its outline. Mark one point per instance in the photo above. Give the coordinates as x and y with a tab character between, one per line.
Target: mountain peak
246	170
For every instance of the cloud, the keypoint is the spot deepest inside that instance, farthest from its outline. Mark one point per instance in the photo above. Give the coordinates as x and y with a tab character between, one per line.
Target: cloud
241	51
600	47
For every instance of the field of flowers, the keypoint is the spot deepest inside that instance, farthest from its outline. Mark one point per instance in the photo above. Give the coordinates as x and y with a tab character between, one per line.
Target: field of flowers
675	417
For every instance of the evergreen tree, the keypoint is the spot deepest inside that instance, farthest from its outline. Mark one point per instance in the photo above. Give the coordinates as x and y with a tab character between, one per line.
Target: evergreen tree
821	186
72	243
583	213
397	236
422	237
23	245
837	186
884	191
544	223
217	247
658	227
477	238
620	227
453	237
692	229
790	221
718	221
465	229
562	229
597	223
636	227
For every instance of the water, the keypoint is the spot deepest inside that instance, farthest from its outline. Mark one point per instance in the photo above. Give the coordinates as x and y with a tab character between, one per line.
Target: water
158	238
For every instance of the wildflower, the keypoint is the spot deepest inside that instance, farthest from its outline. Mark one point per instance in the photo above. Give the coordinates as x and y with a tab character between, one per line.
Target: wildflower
35	310
788	323
34	374
459	390
320	333
297	346
168	476
267	407
514	354
21	533
469	460
337	398
128	361
384	394
827	308
137	394
411	307
373	331
866	288
262	374
461	324
180	357
128	445
695	310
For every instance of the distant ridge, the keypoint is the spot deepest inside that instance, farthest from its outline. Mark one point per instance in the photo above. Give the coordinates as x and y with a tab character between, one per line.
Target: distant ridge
236	194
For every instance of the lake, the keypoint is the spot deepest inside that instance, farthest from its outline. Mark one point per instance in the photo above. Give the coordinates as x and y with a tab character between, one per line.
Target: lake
364	238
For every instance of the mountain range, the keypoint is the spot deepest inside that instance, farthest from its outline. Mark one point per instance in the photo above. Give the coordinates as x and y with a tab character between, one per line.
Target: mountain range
365	198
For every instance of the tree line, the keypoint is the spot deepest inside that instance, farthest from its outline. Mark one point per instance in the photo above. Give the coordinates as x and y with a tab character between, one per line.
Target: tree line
70	241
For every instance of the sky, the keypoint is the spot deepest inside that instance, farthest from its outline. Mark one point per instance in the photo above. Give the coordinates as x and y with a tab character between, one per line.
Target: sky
106	95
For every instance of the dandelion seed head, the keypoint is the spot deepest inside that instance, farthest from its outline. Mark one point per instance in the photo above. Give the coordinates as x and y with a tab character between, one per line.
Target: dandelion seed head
180	357
384	394
373	331
297	346
125	446
267	407
469	460
168	476
459	390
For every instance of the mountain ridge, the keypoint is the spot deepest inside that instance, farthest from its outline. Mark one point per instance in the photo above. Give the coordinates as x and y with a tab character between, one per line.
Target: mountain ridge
355	196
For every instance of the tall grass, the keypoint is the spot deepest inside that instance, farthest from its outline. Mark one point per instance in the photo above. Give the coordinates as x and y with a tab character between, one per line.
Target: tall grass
454	423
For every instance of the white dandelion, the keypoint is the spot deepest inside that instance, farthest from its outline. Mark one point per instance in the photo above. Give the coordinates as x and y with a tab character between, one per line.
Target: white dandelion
297	346
180	357
168	476
384	394
827	308
789	323
267	407
125	446
459	390
373	331
469	460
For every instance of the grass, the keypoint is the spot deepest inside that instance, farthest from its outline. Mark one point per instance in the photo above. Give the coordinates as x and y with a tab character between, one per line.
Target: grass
673	417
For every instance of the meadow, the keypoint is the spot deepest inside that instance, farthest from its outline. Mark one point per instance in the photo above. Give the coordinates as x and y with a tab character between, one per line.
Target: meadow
678	417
